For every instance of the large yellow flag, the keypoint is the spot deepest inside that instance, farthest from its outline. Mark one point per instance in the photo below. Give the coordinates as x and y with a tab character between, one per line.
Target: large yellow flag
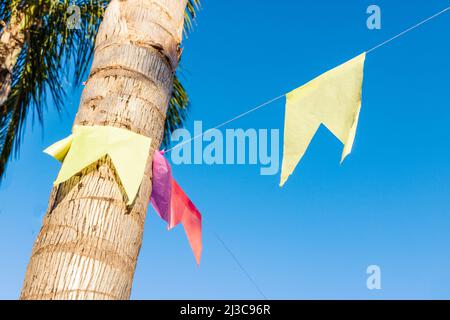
128	151
332	99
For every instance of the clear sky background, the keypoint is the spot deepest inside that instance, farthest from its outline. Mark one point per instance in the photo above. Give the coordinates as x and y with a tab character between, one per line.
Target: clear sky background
387	205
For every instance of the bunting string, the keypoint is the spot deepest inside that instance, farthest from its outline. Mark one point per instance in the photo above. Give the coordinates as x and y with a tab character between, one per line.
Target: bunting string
408	30
264	104
332	99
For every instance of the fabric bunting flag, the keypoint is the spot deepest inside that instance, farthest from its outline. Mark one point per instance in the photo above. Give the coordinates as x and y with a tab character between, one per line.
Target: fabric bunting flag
173	205
128	151
332	99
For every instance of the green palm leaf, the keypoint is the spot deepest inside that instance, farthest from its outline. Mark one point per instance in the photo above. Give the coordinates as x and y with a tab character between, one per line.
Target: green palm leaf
44	61
43	66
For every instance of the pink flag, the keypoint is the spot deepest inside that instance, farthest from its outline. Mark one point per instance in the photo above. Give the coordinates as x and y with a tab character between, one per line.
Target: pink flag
173	205
184	211
161	186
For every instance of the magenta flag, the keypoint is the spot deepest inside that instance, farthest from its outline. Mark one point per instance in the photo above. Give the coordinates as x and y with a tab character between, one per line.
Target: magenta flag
173	205
161	186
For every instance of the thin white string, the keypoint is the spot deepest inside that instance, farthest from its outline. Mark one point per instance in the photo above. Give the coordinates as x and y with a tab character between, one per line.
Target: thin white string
267	103
281	96
249	277
408	30
227	122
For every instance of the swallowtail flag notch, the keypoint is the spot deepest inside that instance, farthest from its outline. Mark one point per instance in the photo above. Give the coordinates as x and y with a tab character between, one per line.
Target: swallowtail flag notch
332	99
128	151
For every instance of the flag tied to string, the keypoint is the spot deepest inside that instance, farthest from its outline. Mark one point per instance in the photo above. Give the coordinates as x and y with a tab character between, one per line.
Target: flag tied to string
173	205
129	154
128	151
332	99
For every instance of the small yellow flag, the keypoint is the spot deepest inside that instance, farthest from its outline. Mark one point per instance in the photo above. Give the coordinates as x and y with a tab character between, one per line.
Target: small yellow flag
332	99
128	151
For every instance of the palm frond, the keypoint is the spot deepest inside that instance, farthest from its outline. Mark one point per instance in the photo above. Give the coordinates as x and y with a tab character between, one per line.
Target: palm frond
5	10
43	65
190	14
179	103
176	111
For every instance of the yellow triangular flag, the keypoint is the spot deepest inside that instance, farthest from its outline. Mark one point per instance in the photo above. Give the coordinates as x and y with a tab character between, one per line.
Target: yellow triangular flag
59	149
128	151
332	99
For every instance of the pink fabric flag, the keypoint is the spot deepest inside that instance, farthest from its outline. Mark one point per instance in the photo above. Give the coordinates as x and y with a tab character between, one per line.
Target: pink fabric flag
173	205
184	212
161	186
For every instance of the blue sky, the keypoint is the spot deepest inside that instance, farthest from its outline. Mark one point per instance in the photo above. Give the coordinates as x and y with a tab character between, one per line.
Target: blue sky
388	204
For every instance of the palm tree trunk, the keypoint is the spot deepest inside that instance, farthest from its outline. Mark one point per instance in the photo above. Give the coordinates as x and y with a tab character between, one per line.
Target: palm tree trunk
88	245
12	39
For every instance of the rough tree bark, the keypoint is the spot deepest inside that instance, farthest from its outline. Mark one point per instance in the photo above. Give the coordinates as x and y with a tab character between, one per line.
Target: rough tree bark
12	39
88	245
